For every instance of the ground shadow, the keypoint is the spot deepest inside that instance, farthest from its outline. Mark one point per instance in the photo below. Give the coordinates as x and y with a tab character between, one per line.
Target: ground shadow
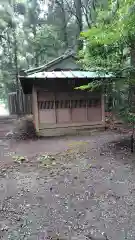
121	149
121	144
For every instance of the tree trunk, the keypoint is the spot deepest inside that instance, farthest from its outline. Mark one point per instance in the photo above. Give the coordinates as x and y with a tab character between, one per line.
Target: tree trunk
34	30
16	71
132	76
34	27
63	18
78	7
60	3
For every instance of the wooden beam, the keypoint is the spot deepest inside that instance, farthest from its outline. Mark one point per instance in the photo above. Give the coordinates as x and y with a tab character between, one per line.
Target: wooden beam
35	109
69	125
55	110
70	110
103	108
87	110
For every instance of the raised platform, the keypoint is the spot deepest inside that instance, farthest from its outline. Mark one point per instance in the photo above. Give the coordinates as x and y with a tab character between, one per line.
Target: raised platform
73	129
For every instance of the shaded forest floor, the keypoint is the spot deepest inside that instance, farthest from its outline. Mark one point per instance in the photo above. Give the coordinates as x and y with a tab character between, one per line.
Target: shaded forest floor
85	186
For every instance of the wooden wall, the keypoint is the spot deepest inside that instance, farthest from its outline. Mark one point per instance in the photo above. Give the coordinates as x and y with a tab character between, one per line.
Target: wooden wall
69	108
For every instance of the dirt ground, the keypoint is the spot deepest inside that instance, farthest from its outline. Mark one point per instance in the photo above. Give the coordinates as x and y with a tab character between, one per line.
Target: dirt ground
86	186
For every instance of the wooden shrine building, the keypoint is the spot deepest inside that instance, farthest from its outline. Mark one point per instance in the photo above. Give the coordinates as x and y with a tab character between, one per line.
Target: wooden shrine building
58	108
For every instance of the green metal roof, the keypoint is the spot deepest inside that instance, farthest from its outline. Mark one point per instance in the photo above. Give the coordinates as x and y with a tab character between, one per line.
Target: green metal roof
69	74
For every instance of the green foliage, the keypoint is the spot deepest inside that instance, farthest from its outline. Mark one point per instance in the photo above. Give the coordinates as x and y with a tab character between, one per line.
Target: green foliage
106	41
108	45
94	85
45	38
24	34
33	33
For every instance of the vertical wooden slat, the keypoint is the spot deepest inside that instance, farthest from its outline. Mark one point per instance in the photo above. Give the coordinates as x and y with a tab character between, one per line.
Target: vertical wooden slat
103	108
25	102
70	111
87	110
15	104
55	110
35	108
20	102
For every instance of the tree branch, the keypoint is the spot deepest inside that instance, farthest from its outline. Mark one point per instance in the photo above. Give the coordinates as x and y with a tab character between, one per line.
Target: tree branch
1	36
71	10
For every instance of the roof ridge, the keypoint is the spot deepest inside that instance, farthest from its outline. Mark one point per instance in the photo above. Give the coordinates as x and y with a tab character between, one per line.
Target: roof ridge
49	64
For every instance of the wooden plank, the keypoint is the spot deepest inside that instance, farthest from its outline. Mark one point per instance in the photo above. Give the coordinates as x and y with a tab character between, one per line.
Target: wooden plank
70	111
25	102
35	108
103	108
87	110
68	125
55	110
81	130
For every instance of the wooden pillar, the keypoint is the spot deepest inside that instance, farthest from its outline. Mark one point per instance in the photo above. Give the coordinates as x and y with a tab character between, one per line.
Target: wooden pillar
87	110
55	110
35	110
70	110
103	108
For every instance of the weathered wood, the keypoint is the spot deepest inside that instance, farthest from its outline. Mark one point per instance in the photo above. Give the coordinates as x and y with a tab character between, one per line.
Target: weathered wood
35	108
71	130
68	125
55	108
103	108
86	110
70	110
25	102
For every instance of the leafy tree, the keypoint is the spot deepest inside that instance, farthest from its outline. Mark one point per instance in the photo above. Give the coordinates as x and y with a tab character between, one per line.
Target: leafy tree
26	41
108	45
29	29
